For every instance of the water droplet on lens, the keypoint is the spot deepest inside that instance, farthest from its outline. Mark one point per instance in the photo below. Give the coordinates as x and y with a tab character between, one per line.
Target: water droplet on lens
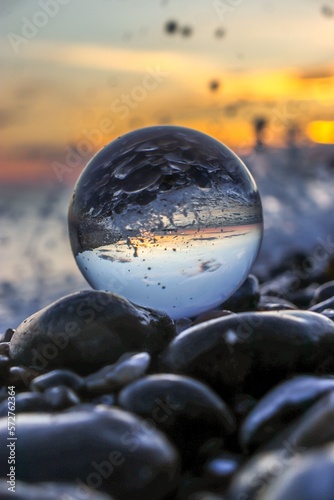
169	218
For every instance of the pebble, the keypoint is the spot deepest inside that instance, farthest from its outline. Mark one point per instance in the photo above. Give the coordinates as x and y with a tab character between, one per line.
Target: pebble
302	297
104	448
55	378
323	292
310	477
251	352
272	303
87	353
186	409
85	330
105	399
21	376
49	491
8	334
128	368
60	397
280	406
329	313
246	298
4	348
314	428
321	306
26	402
211	315
4	365
219	470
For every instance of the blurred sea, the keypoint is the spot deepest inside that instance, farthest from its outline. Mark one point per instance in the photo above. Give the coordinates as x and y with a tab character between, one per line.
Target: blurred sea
37	266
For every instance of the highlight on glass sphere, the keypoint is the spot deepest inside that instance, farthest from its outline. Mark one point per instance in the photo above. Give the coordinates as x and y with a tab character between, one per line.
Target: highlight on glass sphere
167	217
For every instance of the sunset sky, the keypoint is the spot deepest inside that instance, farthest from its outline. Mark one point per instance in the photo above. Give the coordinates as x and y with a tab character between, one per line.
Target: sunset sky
75	74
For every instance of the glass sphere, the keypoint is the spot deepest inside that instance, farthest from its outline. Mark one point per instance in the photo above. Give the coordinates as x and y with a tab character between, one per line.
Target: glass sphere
168	217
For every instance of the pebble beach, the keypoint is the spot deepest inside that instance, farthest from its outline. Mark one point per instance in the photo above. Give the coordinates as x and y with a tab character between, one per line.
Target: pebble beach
117	401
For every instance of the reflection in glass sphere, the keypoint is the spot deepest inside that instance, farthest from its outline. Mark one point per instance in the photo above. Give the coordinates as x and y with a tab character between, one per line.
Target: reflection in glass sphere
168	217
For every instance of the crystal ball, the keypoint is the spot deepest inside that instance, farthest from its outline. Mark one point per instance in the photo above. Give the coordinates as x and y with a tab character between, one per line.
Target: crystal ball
167	217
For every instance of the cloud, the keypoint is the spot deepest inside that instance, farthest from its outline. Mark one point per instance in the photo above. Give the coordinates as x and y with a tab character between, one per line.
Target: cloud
315	73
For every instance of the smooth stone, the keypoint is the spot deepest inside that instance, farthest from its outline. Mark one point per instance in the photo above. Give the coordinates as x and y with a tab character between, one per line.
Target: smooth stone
246	298
182	324
220	469
26	402
48	491
251	352
205	495
60	397
281	285
321	306
242	404
314	428
3	393
4	365
105	399
310	477
105	448
8	334
85	330
271	303
186	409
4	348
21	376
280	406
323	292
191	486
256	475
127	369
207	316
57	377
329	313
302	297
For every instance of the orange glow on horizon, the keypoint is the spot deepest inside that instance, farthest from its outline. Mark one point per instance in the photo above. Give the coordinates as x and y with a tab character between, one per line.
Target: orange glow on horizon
321	132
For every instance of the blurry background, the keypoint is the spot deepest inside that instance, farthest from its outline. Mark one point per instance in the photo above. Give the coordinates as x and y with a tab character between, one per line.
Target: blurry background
257	75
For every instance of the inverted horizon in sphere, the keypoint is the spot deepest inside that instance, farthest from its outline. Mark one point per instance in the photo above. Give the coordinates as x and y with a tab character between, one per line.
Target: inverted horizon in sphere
168	217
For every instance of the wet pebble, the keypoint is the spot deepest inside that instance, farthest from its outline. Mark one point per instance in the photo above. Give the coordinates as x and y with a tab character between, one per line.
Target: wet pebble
246	298
60	397
186	409
329	313
219	470
4	365
280	406
87	329
314	428
49	491
21	376
55	378
211	315
8	334
105	399
4	348
321	306
251	352
302	297
182	324
310	477
323	292
256	475
128	368
26	402
271	303
106	449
